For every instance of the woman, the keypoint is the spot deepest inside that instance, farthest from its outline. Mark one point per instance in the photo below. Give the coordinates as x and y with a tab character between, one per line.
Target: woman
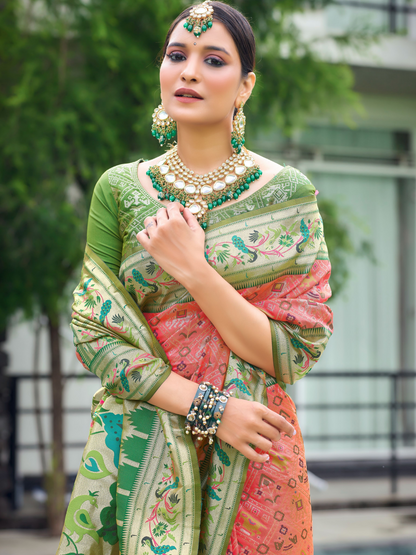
199	272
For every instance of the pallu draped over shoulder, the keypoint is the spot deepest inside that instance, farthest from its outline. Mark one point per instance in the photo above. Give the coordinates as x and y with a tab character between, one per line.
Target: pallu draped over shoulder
143	487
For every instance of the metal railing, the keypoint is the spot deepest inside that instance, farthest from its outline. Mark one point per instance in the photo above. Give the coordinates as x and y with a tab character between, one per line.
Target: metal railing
395	405
393	435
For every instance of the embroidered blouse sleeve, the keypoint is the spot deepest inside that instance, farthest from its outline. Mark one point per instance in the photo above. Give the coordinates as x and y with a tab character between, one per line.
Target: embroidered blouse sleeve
112	337
103	235
304	187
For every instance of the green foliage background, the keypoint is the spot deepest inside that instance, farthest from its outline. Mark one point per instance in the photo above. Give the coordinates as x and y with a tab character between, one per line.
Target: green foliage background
79	82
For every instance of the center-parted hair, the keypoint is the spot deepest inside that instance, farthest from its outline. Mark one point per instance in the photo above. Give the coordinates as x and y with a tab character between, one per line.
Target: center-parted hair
238	27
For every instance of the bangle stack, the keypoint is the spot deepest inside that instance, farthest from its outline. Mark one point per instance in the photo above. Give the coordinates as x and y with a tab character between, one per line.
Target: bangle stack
206	411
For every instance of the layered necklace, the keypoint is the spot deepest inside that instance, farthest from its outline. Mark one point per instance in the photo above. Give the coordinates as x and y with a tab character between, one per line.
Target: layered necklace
201	193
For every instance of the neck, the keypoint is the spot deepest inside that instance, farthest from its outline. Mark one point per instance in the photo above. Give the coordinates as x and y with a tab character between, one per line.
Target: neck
203	149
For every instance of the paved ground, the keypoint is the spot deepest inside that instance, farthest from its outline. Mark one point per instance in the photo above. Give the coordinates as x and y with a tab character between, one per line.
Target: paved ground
365	527
18	542
337	528
332	529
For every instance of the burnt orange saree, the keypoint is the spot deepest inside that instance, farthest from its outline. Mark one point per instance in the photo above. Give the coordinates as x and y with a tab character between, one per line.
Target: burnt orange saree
143	487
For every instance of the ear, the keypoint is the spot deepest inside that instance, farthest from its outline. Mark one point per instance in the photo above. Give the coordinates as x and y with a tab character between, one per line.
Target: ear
246	88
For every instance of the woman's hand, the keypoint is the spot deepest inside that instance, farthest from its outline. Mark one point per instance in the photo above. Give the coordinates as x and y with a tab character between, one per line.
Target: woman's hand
175	240
248	422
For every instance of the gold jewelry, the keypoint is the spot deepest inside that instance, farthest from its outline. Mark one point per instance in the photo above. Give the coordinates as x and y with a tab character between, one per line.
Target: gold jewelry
163	127
239	128
201	193
200	19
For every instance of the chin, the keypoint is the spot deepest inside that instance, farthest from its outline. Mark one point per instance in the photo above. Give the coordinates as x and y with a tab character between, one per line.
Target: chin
190	118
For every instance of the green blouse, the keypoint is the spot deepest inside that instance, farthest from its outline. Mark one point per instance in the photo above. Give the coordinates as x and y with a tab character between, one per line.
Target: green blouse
104	234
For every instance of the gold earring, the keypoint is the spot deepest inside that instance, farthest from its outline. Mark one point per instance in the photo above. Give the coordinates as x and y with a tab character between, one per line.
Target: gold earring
239	128
163	127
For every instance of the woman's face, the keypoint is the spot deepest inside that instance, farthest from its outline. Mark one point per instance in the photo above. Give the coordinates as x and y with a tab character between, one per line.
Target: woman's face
209	69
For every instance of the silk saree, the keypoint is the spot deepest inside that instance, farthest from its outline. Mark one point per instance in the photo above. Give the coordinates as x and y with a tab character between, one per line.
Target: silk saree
143	486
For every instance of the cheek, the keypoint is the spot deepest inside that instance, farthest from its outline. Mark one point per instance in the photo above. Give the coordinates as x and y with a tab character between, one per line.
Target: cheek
167	75
223	83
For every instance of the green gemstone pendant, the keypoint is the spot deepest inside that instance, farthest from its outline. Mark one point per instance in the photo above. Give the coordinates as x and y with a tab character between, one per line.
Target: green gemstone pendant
196	192
200	19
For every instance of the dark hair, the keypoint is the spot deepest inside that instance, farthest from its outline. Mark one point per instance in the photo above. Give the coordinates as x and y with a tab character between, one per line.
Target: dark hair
238	27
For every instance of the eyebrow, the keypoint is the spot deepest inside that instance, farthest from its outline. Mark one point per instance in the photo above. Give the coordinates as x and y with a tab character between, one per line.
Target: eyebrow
216	48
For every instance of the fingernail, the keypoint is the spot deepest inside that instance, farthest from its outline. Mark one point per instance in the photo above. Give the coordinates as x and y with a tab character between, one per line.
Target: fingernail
267	458
294	433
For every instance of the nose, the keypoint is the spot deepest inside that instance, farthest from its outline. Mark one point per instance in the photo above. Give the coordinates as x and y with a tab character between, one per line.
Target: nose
190	73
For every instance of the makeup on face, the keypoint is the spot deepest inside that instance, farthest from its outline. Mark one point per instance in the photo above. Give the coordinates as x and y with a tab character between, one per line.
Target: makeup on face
206	73
187	95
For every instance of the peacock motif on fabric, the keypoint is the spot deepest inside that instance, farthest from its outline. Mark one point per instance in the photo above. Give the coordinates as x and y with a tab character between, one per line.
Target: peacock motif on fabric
150	488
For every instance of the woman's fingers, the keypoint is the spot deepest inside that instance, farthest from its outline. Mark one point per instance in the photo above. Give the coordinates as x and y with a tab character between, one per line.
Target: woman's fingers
268	431
161	216
247	446
263	443
150	221
144	235
174	210
246	424
254	456
279	422
191	220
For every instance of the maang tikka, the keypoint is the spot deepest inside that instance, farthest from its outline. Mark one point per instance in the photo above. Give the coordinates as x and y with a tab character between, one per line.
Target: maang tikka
239	128
199	19
163	126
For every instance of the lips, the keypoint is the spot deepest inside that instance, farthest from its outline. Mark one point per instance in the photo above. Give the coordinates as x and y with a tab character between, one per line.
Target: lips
188	93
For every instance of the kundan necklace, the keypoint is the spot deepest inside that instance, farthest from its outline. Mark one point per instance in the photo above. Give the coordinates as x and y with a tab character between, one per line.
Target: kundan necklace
201	193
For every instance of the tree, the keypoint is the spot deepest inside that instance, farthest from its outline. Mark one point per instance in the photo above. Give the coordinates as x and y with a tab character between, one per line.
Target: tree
78	85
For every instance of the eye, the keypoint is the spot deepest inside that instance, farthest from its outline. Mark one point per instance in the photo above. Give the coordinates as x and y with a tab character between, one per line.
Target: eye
216	62
176	57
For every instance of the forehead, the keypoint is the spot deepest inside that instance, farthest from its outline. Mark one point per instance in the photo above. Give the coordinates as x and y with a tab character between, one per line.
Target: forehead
218	36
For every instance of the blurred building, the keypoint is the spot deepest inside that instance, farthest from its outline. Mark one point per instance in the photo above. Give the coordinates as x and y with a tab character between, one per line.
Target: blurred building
369	171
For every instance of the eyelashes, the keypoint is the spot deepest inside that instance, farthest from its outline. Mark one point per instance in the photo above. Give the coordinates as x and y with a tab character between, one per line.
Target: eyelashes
214	62
175	57
211	60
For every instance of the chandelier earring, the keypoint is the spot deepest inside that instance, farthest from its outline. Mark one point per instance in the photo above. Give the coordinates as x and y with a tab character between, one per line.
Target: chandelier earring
163	126
238	131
